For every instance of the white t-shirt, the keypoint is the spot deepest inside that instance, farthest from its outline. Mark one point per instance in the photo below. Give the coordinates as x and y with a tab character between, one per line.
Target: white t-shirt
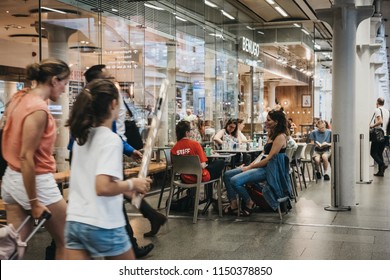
385	118
102	154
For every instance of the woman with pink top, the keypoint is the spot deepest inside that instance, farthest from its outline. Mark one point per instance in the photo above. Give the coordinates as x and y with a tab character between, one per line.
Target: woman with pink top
28	140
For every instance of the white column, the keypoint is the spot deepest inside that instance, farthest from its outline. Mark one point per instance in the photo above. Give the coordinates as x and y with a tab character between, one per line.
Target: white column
363	100
58	48
271	94
344	18
167	123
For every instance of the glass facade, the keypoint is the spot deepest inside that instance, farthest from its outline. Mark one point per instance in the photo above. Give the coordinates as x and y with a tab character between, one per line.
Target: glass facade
212	57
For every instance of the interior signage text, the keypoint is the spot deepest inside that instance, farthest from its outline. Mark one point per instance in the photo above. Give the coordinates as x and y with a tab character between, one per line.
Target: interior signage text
250	47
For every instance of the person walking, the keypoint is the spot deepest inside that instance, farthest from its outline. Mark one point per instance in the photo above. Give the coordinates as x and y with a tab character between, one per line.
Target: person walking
155	218
381	118
95	224
27	145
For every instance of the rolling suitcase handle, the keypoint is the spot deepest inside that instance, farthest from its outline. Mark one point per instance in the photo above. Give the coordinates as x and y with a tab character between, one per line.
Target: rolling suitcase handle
45	216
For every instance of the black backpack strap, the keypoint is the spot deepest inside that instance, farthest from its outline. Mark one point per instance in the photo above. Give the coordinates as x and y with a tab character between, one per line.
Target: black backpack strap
128	109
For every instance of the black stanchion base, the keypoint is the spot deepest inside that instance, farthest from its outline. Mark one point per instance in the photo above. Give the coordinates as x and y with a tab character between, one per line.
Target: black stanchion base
340	208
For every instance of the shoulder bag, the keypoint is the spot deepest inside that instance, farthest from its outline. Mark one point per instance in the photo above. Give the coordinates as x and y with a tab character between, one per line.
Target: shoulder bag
132	132
377	134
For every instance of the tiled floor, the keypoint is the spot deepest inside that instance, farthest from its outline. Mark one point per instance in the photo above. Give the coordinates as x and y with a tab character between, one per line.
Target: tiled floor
307	232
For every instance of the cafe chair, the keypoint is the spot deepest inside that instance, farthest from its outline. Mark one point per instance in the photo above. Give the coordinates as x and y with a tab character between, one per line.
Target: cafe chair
190	164
296	164
167	174
308	159
289	154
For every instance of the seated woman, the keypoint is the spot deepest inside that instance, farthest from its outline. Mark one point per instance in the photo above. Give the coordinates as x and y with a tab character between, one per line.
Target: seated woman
240	126
229	134
291	126
236	179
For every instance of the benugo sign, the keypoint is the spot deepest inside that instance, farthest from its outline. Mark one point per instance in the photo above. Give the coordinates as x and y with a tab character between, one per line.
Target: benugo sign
250	47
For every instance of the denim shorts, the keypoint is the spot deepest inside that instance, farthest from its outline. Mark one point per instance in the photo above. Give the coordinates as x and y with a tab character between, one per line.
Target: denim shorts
98	242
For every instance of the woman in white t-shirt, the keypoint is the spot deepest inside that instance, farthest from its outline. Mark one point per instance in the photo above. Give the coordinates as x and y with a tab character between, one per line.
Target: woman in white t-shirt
95	225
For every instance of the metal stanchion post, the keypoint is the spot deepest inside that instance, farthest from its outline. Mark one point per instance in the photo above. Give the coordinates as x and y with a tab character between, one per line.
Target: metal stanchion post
335	190
361	161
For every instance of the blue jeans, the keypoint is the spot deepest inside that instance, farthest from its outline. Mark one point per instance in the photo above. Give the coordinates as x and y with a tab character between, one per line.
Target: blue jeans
235	181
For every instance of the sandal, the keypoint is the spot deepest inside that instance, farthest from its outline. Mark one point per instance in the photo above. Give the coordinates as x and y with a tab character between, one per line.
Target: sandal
228	210
245	211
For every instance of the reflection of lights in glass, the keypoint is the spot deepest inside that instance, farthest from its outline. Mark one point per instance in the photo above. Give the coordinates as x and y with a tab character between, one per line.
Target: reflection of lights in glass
304	31
296	25
153	7
270	2
210	4
179	18
227	14
53	10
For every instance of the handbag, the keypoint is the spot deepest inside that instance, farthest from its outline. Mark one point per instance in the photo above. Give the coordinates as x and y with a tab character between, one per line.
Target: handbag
377	135
132	134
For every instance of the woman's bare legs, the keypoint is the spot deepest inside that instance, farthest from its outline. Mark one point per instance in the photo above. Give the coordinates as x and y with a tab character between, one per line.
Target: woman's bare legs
77	255
15	216
56	227
129	255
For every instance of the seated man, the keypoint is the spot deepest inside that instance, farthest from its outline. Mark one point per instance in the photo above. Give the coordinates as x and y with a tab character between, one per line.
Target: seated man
321	137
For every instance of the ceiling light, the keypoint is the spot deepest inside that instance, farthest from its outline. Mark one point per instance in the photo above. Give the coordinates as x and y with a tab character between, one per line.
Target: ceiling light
304	31
270	1
210	4
53	10
114	10
260	32
179	18
250	28
281	11
227	15
153	7
296	25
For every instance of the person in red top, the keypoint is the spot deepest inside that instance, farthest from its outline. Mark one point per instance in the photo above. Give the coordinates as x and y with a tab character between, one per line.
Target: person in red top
186	146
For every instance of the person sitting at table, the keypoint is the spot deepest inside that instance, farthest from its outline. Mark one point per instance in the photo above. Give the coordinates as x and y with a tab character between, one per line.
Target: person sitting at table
195	132
186	146
227	134
321	137
291	126
240	126
236	179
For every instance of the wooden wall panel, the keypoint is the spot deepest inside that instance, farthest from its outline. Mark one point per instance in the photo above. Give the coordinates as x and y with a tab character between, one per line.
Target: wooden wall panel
290	97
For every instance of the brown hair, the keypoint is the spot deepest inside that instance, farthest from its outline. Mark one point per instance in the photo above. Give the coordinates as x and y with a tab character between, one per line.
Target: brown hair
91	108
48	68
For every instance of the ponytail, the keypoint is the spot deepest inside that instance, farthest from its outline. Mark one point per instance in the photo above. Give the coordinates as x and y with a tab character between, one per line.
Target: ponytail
91	108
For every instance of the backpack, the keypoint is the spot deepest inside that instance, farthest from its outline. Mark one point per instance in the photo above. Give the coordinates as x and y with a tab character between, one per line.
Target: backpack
132	134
